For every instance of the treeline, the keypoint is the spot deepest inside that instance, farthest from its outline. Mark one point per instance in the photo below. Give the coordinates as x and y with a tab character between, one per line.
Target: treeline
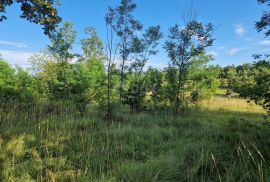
113	73
251	81
83	84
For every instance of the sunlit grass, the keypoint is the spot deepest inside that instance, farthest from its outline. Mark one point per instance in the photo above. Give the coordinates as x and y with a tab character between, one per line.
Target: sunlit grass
232	104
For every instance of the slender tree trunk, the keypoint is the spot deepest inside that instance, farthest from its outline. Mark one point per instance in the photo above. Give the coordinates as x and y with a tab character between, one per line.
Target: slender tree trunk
109	89
109	72
122	78
177	95
179	87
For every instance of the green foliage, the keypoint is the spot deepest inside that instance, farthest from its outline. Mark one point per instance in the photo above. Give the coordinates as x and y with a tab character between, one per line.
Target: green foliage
182	45
81	83
15	87
250	81
155	79
62	42
40	12
125	26
230	74
263	24
92	46
202	80
7	80
142	49
261	90
245	80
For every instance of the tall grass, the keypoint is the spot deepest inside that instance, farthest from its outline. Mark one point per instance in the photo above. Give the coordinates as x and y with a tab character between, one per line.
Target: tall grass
219	140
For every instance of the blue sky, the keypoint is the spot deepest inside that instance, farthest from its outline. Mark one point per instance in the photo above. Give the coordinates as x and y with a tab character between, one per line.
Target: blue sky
236	37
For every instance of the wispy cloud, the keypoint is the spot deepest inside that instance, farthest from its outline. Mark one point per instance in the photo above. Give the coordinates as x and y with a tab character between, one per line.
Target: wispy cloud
240	30
17	57
213	53
16	44
265	42
233	51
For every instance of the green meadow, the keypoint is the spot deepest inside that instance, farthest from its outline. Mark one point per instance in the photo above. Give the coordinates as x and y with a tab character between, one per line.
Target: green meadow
221	139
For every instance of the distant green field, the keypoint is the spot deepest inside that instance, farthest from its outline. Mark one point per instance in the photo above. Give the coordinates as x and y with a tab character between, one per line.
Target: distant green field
222	139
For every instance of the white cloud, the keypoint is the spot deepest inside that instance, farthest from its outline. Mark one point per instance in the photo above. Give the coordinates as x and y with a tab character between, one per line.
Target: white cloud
16	44
265	42
240	30
16	57
221	47
233	51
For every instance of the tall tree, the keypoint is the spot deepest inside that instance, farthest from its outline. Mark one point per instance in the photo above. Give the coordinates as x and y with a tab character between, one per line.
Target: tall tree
182	45
61	48
62	42
92	45
125	27
145	47
40	12
142	48
260	92
111	49
155	79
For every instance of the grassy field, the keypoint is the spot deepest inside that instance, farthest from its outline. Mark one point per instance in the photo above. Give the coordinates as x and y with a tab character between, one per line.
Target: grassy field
221	139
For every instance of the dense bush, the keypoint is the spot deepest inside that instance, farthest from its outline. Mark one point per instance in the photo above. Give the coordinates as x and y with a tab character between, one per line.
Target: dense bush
15	87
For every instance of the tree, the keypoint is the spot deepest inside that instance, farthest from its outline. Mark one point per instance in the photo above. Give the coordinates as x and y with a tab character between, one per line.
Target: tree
15	87
125	27
182	45
264	23
142	48
244	81
202	79
261	90
40	12
60	49
7	77
230	74
62	42
111	49
92	46
155	82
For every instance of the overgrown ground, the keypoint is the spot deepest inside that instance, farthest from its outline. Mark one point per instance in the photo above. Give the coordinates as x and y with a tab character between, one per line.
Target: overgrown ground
222	139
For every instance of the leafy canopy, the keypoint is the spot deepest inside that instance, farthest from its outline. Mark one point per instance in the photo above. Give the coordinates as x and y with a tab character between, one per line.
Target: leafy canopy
40	12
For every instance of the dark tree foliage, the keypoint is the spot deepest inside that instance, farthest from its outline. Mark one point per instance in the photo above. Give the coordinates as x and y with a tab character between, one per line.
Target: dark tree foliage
261	90
264	23
40	12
